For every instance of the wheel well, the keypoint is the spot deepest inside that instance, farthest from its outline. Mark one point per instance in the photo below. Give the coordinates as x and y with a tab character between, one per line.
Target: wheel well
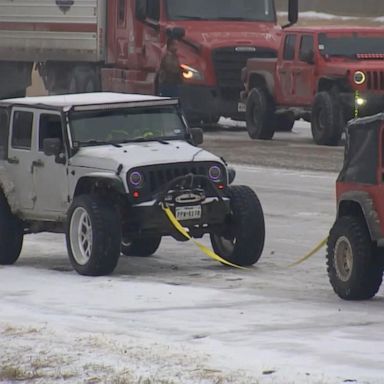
328	85
351	208
257	80
100	186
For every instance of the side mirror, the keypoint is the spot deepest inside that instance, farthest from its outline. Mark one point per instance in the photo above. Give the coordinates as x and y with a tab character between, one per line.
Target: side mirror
231	175
293	11
52	147
176	33
141	9
197	136
308	57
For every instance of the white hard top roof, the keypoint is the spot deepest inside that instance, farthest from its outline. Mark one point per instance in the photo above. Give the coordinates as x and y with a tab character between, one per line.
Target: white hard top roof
84	99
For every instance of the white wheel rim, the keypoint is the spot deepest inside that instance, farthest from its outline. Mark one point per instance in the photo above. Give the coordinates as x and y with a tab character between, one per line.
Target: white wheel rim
81	236
343	258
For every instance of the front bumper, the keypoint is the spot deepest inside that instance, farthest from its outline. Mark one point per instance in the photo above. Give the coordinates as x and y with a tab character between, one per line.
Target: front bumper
373	104
149	219
202	103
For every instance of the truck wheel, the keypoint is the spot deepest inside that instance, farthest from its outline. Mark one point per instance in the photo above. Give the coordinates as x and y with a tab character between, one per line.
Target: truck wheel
11	234
284	122
140	247
259	115
242	241
93	236
327	120
354	269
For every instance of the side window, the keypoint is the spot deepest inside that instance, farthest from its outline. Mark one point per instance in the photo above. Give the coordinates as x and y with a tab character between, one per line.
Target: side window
289	47
153	9
22	130
121	12
306	47
49	128
4	131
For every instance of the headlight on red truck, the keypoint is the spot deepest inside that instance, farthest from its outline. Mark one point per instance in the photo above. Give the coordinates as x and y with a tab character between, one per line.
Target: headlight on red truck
190	73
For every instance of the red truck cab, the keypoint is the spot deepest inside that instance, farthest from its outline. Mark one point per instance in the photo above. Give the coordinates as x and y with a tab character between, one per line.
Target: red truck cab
217	39
327	75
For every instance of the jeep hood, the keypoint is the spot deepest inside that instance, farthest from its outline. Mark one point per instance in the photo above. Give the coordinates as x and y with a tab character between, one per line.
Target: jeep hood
108	157
341	66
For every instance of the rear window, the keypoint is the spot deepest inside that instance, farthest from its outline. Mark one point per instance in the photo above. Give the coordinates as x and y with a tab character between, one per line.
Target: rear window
4	131
22	130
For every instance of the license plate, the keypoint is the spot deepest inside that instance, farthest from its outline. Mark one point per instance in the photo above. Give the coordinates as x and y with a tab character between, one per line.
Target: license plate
241	107
188	213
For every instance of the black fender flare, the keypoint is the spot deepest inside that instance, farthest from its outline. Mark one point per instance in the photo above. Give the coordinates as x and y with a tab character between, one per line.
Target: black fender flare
350	201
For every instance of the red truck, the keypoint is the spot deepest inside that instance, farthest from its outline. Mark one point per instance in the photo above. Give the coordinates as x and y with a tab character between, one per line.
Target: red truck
117	45
326	75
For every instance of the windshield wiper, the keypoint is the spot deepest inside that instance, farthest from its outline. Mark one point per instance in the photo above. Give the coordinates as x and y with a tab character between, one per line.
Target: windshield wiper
145	140
233	18
100	142
186	17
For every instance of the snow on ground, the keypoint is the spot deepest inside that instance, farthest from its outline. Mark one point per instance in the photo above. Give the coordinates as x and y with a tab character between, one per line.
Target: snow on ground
178	317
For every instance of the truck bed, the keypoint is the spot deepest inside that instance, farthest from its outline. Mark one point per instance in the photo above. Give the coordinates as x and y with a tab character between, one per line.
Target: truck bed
63	30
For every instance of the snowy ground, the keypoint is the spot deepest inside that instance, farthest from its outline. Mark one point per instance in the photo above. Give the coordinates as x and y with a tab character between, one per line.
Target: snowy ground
179	317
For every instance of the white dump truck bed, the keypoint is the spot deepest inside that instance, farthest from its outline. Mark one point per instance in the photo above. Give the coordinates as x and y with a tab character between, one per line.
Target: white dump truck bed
40	30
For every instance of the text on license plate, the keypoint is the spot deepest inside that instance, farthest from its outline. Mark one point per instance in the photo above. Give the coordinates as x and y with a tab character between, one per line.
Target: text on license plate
241	107
188	213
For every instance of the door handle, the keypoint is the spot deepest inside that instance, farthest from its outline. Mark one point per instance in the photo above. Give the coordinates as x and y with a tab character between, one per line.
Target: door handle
283	71
13	160
297	71
37	163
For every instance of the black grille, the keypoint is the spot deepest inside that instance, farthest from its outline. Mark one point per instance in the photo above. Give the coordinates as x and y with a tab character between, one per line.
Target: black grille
228	63
375	80
156	177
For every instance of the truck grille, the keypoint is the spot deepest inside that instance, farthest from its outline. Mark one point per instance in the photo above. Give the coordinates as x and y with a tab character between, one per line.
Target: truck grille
228	63
158	176
375	80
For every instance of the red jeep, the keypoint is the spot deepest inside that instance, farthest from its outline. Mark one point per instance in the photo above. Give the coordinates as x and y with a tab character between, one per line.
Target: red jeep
326	75
355	254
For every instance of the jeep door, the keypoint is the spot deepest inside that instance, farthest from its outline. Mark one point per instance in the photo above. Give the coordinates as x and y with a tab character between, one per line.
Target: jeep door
20	156
305	71
50	177
285	70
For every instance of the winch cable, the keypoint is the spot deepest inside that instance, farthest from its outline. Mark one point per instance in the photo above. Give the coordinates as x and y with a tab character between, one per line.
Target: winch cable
176	224
310	253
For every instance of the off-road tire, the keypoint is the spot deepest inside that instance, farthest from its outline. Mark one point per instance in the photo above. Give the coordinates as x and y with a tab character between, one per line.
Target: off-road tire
11	234
141	247
259	115
284	122
354	268
104	239
327	119
245	229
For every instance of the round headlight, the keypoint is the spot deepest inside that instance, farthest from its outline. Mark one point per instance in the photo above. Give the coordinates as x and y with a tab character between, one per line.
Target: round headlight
136	179
215	173
359	77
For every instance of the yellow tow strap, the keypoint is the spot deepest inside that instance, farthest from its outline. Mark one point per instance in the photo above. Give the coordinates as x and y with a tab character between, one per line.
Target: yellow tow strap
202	247
310	253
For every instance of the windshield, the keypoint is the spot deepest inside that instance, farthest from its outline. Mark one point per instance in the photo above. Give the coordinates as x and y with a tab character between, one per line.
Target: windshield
351	45
244	10
125	125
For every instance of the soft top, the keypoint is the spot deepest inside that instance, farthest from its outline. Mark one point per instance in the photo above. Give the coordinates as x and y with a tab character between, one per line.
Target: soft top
88	100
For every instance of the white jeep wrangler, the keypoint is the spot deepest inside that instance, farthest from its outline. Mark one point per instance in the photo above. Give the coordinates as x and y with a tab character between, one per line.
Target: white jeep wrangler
99	167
